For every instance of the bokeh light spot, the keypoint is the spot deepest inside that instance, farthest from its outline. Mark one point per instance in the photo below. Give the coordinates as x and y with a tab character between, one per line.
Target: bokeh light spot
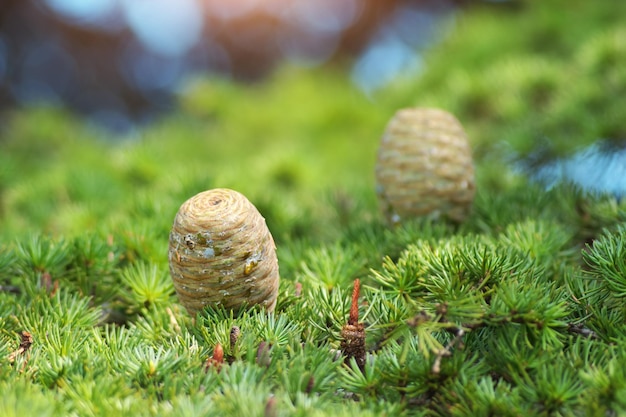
325	15
306	48
170	28
599	168
397	47
383	61
99	13
149	71
228	10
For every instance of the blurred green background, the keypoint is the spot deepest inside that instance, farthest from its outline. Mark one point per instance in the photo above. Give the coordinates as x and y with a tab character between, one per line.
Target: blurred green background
525	78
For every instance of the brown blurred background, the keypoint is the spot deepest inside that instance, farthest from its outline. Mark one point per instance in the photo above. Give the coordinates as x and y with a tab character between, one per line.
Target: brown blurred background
118	62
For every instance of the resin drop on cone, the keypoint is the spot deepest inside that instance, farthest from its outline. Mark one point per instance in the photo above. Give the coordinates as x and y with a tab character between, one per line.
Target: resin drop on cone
424	167
221	253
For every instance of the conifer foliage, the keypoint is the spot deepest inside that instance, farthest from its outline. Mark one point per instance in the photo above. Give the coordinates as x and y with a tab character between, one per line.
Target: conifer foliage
519	310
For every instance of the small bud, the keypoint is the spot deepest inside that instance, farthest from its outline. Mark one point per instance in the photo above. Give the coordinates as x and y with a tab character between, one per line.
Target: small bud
216	360
218	353
263	356
353	333
270	407
354	307
234	336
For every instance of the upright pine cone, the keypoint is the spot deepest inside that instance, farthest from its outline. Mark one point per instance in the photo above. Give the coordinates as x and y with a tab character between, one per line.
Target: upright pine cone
424	167
222	253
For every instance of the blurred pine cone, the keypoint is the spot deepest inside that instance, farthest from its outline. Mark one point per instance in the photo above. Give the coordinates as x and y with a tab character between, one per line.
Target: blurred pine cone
424	167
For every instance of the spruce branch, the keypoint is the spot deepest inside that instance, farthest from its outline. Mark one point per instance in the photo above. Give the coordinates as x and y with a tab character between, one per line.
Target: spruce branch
91	270
41	255
46	282
606	260
148	285
327	317
310	369
331	266
276	329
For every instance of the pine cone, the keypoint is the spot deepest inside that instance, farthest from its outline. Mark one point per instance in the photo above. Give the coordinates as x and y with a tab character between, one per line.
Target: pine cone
424	167
222	253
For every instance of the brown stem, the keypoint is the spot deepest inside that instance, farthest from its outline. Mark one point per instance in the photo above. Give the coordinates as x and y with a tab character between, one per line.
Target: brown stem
10	289
25	344
459	333
579	329
173	321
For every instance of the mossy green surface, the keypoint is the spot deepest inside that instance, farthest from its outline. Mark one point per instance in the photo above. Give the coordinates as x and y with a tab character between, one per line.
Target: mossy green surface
517	311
